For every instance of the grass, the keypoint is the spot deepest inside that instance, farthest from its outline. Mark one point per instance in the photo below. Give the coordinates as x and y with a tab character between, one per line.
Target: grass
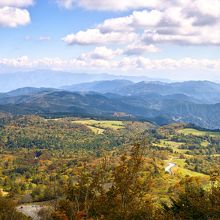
95	129
183	171
191	131
99	127
180	168
205	144
172	144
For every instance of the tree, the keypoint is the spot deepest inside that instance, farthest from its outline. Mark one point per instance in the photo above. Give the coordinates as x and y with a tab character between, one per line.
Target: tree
128	197
115	192
8	210
195	202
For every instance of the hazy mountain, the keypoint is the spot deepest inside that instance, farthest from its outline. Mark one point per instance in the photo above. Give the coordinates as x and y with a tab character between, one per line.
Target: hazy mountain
100	86
55	79
194	91
206	92
26	91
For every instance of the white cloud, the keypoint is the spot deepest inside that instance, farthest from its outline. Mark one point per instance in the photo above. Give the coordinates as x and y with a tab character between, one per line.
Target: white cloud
16	3
194	22
140	48
136	20
104	53
96	37
109	5
127	64
143	64
101	53
13	17
13	14
211	7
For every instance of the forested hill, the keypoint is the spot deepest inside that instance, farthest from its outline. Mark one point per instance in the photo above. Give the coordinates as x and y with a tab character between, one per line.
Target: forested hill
157	108
67	167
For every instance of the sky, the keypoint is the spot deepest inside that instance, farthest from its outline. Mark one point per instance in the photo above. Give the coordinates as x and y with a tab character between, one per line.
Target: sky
176	39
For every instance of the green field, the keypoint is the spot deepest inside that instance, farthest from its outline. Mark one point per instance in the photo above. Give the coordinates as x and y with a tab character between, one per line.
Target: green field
172	144
191	131
180	169
98	127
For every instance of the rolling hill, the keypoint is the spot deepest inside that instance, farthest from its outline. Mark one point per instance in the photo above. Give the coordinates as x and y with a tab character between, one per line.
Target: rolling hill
160	109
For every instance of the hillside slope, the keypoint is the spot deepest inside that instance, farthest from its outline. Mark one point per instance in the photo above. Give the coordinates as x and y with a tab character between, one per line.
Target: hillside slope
156	108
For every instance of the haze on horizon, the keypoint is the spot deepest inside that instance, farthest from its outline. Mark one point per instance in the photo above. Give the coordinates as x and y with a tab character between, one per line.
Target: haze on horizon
176	40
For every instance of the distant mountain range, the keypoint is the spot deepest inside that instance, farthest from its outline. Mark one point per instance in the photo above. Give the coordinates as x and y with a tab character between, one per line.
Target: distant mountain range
192	102
111	86
203	91
56	79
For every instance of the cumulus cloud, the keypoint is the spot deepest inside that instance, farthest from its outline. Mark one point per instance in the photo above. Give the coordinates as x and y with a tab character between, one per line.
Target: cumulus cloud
143	64
96	37
101	53
13	17
13	14
136	20
109	5
127	64
194	22
140	48
104	53
16	3
211	7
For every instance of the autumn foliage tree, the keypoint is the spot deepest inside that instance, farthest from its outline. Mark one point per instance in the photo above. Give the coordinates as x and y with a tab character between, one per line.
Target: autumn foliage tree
8	210
123	194
195	202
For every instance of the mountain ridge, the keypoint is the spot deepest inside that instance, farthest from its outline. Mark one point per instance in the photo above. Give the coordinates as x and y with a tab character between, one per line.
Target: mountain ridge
156	108
56	79
202	91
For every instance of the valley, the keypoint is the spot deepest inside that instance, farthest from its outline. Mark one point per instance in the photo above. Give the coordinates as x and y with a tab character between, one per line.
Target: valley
41	158
109	110
96	149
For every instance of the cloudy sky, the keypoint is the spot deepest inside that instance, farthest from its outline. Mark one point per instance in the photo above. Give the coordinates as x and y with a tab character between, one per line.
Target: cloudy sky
176	39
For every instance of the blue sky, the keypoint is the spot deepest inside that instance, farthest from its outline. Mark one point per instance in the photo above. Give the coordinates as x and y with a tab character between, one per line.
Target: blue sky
157	38
54	21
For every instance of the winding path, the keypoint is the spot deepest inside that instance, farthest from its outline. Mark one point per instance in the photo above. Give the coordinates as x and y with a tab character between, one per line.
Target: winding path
30	211
168	169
